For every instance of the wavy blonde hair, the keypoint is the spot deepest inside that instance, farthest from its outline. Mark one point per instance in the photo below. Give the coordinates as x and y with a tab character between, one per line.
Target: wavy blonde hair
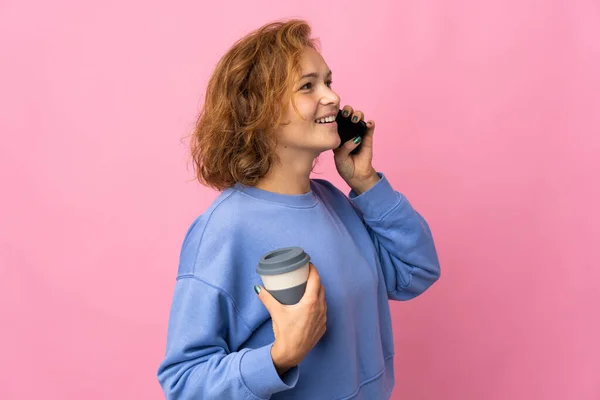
246	98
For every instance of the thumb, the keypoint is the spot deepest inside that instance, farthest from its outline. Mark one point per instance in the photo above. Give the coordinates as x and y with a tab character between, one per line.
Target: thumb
266	298
344	151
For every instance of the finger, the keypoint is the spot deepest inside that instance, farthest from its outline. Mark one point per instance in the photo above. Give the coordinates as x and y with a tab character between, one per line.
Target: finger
270	302
370	127
322	294
357	116
348	147
367	140
313	284
342	153
347	111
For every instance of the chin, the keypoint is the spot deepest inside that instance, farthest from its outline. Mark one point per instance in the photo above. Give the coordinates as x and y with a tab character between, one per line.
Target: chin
329	143
336	143
322	143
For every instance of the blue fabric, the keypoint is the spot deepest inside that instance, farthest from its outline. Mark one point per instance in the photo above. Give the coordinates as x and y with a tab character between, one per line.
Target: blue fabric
368	249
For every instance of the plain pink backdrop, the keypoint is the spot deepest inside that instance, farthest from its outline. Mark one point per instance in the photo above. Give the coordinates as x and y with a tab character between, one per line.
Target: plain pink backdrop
488	119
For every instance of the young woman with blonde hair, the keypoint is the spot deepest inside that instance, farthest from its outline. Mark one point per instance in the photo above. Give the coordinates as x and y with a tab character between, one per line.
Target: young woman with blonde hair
265	120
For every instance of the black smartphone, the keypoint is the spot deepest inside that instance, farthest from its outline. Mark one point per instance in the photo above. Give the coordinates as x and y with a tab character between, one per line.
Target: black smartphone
348	130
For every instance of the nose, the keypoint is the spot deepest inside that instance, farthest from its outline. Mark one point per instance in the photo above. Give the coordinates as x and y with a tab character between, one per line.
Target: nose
330	97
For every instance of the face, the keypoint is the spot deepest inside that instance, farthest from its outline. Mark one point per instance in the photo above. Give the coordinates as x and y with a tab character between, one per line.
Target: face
307	133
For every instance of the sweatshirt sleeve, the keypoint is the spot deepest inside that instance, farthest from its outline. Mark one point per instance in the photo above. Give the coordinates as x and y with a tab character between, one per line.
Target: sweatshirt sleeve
402	238
199	363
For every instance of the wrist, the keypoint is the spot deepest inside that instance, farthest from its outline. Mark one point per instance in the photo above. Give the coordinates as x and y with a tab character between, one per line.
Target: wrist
362	185
282	364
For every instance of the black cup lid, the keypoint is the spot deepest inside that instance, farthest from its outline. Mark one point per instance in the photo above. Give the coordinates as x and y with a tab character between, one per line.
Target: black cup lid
282	260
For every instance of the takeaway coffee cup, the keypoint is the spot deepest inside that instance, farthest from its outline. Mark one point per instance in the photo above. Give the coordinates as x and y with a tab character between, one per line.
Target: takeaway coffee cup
284	273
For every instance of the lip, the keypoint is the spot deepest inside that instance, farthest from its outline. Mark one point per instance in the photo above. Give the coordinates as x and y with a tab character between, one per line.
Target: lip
331	125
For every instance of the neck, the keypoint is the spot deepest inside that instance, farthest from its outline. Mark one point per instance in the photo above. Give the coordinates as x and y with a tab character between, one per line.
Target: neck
289	176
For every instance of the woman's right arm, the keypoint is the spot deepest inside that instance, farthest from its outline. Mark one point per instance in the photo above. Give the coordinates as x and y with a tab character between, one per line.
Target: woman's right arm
200	362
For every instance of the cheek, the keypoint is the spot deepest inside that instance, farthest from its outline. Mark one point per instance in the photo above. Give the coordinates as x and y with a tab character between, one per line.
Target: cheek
306	108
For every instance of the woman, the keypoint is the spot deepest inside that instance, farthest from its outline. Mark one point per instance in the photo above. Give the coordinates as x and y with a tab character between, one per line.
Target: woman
263	125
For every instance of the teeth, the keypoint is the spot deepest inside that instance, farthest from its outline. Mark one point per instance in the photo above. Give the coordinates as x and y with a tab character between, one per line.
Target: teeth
325	120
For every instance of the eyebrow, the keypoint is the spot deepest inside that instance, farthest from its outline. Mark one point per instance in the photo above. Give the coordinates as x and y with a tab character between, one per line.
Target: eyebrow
315	75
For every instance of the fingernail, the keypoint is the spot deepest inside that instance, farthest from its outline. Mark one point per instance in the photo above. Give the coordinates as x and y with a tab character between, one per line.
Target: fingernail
355	119
357	140
257	289
345	113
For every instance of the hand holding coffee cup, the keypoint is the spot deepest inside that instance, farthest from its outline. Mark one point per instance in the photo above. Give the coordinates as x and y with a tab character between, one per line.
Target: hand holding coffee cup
297	328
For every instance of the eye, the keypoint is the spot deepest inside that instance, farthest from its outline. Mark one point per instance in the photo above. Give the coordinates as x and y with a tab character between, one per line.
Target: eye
309	85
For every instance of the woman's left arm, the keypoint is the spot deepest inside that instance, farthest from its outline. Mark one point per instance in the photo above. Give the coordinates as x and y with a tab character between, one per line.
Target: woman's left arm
402	238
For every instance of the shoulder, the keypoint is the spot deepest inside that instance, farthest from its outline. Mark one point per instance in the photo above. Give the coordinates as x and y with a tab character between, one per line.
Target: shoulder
323	187
334	197
213	231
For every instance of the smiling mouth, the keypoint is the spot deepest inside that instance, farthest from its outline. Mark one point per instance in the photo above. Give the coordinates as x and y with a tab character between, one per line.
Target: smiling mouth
325	121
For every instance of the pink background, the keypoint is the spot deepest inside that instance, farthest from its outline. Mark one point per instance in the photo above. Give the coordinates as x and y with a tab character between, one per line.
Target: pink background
488	118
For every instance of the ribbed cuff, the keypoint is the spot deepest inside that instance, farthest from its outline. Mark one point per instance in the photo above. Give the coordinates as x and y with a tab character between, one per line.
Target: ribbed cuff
260	376
376	202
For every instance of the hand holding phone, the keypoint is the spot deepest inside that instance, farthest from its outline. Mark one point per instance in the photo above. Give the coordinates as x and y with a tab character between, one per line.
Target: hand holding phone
348	130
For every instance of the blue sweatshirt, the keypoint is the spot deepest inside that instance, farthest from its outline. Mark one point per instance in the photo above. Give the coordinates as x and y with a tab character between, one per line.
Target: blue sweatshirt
367	249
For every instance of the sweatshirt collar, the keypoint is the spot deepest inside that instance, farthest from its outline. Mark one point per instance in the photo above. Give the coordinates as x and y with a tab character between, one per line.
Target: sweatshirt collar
305	200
